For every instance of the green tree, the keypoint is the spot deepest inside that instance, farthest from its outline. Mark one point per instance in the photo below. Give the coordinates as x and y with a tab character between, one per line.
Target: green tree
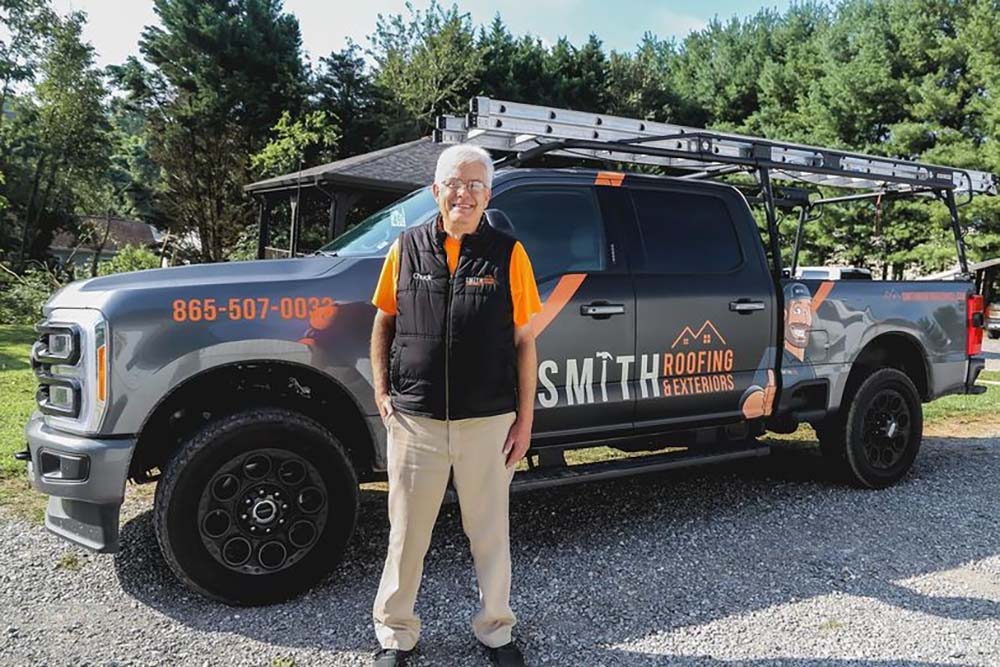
27	24
639	84
346	89
57	140
513	68
579	75
428	64
717	69
221	74
311	139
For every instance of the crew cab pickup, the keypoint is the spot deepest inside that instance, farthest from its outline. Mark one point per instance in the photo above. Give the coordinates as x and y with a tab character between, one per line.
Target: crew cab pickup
245	388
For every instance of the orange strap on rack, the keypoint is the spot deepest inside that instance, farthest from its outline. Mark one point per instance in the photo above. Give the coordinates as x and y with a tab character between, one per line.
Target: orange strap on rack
611	178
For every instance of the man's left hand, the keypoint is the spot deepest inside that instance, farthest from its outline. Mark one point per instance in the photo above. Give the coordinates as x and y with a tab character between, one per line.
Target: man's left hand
517	442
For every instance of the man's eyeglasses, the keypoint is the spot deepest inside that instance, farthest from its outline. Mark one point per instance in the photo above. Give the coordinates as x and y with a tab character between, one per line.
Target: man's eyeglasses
474	187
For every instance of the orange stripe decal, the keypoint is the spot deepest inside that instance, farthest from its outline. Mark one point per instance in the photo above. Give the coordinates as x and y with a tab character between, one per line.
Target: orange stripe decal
824	291
560	296
611	178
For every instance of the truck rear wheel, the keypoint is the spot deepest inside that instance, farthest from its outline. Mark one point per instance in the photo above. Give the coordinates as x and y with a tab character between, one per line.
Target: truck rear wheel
875	437
256	507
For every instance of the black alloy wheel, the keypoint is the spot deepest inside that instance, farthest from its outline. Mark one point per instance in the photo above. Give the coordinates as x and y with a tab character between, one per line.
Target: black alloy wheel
256	507
873	439
886	429
263	511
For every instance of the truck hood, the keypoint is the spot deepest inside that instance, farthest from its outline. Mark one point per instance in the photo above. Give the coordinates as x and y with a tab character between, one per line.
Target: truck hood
96	292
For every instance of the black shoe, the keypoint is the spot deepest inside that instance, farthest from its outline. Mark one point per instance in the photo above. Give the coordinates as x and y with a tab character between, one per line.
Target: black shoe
391	657
507	655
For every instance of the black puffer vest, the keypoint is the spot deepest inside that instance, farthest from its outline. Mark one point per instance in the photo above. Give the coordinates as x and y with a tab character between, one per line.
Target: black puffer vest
453	355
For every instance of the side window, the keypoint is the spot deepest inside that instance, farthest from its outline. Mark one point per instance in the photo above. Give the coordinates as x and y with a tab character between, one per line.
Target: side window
559	226
685	232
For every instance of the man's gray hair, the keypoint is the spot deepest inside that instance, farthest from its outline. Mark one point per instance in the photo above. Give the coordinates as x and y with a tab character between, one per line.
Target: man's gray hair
458	154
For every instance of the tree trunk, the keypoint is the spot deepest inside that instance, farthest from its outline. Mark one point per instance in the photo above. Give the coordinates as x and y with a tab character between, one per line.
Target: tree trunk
29	209
98	249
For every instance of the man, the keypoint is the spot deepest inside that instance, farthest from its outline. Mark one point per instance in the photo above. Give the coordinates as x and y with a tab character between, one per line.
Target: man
454	369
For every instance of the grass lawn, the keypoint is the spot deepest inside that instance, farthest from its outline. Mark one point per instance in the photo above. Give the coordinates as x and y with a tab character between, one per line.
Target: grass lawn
17	401
17	387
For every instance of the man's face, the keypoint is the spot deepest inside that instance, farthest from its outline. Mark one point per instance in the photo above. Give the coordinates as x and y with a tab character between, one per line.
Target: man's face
459	196
798	322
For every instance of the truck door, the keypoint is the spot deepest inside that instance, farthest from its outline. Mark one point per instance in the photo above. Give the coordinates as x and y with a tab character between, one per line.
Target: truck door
586	331
704	307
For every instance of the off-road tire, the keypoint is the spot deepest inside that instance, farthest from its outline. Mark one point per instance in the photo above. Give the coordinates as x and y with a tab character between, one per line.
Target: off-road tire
176	513
843	437
993	334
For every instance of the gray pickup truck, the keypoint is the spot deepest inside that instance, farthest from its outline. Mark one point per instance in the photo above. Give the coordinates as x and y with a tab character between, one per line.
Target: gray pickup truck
245	388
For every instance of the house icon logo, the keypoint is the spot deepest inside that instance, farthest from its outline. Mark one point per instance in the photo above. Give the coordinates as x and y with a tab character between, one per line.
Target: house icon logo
706	335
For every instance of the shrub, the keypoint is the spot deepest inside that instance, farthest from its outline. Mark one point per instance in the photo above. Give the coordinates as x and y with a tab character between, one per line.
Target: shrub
129	258
22	297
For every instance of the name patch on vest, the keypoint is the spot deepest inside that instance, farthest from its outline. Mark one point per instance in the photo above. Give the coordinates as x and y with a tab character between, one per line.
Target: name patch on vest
480	281
422	276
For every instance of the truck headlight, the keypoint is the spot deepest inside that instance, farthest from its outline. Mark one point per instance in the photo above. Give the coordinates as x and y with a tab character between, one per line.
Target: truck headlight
71	359
57	344
58	396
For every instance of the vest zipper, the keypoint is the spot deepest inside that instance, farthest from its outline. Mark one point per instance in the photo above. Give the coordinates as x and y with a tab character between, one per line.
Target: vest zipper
447	350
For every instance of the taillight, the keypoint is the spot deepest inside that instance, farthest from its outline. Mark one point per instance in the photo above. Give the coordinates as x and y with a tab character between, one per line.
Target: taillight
974	307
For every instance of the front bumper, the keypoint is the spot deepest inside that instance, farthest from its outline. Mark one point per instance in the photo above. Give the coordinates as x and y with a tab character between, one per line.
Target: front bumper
85	481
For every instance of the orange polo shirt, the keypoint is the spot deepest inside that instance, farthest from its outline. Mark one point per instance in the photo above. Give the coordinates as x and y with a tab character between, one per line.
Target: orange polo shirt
523	290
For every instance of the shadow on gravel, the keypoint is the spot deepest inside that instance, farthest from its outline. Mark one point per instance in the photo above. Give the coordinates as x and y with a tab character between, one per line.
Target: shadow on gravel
602	564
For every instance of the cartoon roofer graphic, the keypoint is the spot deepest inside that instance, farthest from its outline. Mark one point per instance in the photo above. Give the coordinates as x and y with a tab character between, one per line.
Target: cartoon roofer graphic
758	399
798	324
798	321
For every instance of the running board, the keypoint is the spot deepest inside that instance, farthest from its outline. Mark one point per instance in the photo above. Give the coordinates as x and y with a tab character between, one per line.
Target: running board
539	478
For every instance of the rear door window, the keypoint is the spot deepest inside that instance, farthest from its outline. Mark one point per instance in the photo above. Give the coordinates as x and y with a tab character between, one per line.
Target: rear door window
685	232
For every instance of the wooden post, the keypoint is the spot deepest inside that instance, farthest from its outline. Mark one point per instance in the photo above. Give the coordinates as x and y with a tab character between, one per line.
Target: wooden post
264	225
341	202
293	245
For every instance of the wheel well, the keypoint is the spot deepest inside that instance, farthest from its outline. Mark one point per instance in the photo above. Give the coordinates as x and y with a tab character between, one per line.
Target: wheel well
232	388
893	350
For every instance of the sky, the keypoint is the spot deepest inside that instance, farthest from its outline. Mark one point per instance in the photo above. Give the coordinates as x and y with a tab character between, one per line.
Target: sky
114	26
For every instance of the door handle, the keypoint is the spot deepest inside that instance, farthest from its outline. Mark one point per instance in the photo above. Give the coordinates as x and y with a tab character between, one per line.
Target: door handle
746	306
602	310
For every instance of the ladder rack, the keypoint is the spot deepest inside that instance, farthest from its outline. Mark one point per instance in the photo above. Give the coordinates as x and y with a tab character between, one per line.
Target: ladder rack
528	130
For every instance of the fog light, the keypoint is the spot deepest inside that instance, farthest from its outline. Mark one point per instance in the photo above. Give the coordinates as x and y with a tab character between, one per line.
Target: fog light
63	467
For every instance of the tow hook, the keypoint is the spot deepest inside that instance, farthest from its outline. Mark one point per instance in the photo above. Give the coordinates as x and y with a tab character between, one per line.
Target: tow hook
23	456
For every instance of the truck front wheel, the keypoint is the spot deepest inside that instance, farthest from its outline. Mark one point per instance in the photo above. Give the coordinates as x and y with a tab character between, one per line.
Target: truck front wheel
256	507
875	437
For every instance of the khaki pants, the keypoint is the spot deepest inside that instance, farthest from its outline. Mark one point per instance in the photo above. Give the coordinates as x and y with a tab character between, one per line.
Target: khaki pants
421	453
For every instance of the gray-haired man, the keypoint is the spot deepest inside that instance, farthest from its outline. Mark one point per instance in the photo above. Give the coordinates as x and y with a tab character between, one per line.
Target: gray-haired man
453	360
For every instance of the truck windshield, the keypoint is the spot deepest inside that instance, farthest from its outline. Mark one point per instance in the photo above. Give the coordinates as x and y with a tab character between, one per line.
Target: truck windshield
374	234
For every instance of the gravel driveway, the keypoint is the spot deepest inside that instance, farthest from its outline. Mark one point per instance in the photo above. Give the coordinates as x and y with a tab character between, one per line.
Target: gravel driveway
756	564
